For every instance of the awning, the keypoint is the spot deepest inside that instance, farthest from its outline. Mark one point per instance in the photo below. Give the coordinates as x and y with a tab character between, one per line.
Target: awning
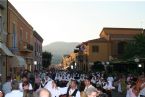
18	61
5	50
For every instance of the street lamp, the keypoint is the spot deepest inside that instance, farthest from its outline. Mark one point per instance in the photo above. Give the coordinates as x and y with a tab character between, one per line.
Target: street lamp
35	64
75	65
107	63
71	66
139	65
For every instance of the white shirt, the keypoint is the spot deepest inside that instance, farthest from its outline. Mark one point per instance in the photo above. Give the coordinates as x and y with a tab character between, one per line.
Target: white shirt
109	86
55	92
48	85
21	87
14	93
77	94
110	79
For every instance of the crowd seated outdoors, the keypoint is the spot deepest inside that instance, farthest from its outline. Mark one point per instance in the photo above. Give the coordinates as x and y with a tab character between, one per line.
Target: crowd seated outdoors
54	83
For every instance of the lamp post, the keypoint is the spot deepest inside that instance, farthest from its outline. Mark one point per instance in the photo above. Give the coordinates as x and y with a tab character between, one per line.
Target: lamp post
75	65
35	64
136	60
139	64
72	67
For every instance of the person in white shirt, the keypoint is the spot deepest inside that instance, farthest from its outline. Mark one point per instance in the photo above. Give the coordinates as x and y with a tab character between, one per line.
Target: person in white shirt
54	90
15	90
72	90
110	79
44	93
88	84
92	92
25	84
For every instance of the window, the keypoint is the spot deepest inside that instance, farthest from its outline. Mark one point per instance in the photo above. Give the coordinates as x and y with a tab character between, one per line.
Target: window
21	35
26	36
121	47
95	49
14	36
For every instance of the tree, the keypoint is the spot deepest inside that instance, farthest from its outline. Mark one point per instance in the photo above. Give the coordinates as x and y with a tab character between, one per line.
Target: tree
97	66
135	48
46	59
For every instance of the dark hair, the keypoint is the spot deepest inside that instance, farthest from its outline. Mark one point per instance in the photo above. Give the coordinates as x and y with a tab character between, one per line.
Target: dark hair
8	78
75	81
88	78
25	83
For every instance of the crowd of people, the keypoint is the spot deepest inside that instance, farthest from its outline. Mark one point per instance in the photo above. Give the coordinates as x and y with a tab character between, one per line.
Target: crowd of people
54	83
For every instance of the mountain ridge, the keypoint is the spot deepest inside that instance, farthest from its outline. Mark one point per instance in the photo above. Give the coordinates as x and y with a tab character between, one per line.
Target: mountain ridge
58	49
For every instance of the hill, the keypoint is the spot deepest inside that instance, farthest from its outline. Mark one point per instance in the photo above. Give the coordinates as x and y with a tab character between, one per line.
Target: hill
58	49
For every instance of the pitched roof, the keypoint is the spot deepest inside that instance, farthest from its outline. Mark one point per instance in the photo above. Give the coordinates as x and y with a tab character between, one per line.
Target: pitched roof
115	30
92	41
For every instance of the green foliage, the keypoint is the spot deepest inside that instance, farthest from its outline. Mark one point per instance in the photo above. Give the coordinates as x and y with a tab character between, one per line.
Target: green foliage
46	59
97	66
135	48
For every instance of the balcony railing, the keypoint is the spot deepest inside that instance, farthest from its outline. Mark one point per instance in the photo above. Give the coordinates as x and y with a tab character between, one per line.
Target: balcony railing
26	47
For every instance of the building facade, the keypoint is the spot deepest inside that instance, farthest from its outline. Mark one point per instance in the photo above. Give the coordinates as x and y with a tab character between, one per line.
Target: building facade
5	53
19	41
109	46
37	52
68	61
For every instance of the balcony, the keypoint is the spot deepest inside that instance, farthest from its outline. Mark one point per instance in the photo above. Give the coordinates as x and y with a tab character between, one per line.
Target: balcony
26	47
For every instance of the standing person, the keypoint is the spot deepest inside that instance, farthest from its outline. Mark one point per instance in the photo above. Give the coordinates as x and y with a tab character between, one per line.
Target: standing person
7	85
142	88
132	90
92	92
128	88
88	84
108	87
25	84
73	90
27	92
15	90
44	93
119	86
18	76
54	90
43	83
37	82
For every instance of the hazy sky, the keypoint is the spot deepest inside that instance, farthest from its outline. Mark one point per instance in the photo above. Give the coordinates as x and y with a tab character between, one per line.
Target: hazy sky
79	20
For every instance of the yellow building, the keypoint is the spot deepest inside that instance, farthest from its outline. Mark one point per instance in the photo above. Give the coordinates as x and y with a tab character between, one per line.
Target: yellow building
68	60
109	46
